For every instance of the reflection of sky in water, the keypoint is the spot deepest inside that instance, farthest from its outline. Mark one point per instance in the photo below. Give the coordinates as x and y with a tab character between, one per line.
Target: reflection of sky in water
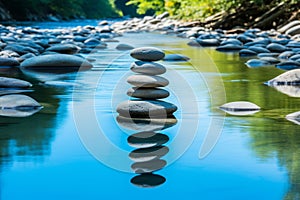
235	169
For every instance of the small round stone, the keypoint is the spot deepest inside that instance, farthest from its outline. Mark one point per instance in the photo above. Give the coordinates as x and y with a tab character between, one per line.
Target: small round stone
147	81
147	54
148	93
148	68
124	47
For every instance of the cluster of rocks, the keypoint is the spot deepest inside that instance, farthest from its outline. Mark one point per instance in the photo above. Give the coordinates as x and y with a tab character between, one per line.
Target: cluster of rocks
32	49
147	115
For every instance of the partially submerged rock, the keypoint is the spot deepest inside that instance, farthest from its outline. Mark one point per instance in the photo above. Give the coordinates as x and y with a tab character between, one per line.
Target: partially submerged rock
288	78
56	62
17	105
294	117
240	108
13	83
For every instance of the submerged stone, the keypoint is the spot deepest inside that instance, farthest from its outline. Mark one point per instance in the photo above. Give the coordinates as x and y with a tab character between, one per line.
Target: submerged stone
148	180
16	105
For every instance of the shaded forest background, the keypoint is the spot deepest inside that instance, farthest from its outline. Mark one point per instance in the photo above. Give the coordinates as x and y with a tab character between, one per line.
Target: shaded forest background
212	13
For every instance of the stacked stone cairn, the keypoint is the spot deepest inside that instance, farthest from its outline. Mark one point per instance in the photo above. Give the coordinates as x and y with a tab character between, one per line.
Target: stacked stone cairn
146	113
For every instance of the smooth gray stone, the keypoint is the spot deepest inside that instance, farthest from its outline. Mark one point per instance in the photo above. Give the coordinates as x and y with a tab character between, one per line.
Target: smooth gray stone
26	56
148	180
146	124
147	139
288	65
176	57
146	109
147	154
13	83
240	108
259	49
274	47
148	166
231	41
8	62
21	50
261	55
124	47
252	63
243	38
56	61
147	54
147	81
208	42
288	78
286	55
147	93
247	52
17	105
288	26
270	60
294	117
293	31
295	57
229	47
93	43
193	43
293	44
109	40
149	68
64	48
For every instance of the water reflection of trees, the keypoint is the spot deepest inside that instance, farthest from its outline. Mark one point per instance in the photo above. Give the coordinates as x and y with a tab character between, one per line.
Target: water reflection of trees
29	139
282	140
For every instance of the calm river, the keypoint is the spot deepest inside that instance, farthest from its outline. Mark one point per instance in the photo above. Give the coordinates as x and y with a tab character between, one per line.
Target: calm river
74	147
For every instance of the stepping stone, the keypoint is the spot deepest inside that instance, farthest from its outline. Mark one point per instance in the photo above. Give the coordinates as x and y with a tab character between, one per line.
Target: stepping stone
146	109
147	54
147	81
148	93
148	68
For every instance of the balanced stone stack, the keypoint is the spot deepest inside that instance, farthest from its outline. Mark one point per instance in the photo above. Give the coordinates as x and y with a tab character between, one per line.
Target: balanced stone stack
146	113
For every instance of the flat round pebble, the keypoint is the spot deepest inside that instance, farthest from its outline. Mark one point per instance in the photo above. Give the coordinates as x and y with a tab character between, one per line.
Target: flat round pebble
147	81
147	139
149	68
148	93
147	54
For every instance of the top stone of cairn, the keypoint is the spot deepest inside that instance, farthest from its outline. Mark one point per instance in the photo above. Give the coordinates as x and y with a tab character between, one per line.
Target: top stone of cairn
147	54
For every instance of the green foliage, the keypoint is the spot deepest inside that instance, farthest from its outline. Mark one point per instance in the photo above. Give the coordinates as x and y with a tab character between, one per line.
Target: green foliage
23	9
195	9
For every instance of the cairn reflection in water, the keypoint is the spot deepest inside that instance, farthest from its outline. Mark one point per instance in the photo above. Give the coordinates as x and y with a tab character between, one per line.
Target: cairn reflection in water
146	114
